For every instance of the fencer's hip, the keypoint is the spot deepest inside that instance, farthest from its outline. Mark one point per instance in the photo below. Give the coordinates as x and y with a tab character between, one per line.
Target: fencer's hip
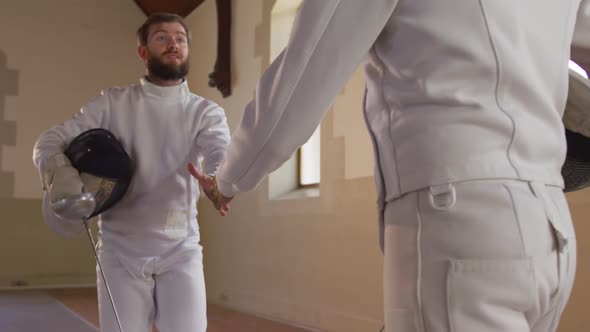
478	256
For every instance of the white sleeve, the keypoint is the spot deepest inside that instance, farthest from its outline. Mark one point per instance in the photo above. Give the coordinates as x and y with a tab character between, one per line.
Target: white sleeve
54	140
328	41
213	138
582	30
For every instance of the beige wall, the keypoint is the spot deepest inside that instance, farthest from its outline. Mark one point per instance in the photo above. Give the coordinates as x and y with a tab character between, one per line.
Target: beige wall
59	54
311	261
576	315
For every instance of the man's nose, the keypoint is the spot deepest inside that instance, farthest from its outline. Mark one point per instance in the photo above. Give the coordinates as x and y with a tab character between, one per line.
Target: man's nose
172	45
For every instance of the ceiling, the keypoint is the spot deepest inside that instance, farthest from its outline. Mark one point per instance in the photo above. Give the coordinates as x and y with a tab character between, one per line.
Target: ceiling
179	7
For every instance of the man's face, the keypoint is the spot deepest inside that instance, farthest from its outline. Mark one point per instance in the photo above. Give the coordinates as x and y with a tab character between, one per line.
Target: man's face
166	52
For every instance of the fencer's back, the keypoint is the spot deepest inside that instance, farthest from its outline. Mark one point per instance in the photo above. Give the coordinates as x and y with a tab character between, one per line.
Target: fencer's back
470	89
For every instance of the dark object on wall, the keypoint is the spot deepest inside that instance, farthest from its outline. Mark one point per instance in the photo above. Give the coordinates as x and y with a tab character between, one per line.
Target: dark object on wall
221	75
178	7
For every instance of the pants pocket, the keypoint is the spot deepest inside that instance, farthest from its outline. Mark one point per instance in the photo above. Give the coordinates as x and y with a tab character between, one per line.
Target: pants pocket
490	295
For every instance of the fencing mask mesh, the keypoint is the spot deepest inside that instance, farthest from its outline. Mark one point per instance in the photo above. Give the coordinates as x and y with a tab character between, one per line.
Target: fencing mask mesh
576	119
576	169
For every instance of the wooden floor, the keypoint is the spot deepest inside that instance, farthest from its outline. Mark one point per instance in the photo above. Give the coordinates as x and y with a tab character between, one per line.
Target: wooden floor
83	302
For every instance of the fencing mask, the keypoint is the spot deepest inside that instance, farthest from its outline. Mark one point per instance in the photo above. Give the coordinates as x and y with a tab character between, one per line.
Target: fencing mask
576	118
105	168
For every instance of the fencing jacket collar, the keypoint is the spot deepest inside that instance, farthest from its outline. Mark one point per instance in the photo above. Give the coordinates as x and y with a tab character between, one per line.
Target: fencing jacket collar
166	92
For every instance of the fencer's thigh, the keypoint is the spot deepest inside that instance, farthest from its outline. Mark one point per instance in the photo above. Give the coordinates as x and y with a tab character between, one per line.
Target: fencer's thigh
180	294
133	298
472	256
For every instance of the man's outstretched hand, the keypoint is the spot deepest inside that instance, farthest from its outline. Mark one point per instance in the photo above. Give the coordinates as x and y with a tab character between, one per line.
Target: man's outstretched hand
209	186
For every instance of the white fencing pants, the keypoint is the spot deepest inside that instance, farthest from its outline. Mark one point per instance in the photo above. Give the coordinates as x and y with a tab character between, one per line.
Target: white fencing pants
168	290
478	256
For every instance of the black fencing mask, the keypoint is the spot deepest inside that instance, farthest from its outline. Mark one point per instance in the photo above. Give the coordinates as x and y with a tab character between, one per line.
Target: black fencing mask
105	167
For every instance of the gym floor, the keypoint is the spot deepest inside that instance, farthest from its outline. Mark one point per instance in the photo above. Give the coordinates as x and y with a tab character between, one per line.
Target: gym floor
83	302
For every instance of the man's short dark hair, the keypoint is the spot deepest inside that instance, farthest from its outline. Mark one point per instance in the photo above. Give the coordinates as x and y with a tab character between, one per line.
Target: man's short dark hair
157	18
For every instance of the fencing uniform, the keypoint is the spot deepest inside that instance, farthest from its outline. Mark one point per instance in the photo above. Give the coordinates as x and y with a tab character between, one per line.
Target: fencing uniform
463	103
149	241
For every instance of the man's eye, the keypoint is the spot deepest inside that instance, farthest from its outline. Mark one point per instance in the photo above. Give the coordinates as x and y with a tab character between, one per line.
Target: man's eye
160	38
181	40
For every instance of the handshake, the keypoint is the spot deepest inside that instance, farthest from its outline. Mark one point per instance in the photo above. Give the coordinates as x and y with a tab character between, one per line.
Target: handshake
62	180
209	185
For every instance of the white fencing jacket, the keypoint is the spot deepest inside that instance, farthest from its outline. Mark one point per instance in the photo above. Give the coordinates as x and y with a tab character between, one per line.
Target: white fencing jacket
162	129
456	90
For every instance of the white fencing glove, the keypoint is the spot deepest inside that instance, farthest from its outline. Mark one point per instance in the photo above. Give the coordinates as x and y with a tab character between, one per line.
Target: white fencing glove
61	179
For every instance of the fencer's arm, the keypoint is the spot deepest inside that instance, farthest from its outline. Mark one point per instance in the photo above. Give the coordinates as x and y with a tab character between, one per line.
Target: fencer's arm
580	52
213	138
52	142
59	178
328	41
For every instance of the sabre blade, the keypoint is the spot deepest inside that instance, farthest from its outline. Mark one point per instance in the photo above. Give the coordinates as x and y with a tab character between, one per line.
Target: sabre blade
104	278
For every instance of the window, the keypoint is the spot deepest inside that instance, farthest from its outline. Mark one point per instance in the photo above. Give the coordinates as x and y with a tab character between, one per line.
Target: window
309	161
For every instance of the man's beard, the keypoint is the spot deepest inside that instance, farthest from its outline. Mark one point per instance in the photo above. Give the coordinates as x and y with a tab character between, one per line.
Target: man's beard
165	71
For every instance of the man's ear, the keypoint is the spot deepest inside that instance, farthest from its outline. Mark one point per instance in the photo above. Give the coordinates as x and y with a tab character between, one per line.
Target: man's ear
142	51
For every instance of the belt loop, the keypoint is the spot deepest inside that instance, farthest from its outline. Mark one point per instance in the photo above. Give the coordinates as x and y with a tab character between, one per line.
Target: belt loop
442	197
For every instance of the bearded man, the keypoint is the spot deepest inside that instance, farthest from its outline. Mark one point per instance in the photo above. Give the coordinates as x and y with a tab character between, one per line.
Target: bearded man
149	243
